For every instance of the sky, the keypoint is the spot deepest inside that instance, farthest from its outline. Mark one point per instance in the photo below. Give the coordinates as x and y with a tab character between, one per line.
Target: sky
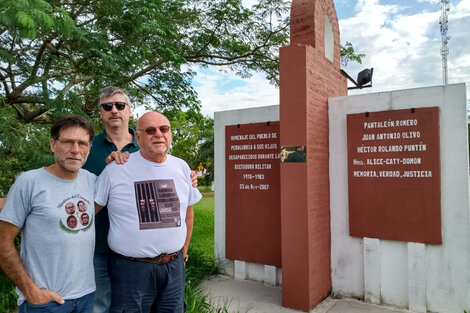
401	40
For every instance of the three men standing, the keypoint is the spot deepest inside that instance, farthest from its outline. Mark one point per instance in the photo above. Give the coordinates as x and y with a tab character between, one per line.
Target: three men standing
51	260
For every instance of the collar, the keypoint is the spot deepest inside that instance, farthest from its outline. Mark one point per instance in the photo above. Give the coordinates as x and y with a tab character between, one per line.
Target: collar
131	131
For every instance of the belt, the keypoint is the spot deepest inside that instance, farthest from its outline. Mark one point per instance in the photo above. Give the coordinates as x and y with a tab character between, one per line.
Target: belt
160	259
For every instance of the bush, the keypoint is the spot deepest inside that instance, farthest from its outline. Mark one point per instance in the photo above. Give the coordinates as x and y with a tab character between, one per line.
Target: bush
8	295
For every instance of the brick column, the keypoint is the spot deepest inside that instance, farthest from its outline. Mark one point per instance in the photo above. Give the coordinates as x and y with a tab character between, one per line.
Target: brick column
307	80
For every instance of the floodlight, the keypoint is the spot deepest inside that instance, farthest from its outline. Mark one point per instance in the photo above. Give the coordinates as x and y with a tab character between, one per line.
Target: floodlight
363	78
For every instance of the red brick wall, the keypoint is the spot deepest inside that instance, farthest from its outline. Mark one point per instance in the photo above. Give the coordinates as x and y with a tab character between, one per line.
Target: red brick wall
307	80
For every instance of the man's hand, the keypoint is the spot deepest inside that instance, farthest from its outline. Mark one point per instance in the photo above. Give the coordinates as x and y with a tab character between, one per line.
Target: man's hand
97	207
118	156
193	178
40	296
13	267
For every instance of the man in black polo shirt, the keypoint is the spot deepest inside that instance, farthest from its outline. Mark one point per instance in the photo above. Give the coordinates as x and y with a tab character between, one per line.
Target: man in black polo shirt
115	140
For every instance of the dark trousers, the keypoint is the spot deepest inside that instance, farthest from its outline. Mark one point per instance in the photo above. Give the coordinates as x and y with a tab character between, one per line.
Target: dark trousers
80	305
142	287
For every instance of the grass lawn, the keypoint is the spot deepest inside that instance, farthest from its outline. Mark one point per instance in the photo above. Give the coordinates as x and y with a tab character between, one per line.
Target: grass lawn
201	262
203	233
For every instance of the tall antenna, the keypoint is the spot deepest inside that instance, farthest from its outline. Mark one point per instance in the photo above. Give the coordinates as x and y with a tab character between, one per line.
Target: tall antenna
445	39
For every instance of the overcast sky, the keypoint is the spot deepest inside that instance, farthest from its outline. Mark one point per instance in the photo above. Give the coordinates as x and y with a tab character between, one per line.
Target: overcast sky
401	40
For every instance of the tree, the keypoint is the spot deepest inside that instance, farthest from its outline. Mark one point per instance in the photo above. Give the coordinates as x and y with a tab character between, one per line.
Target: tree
56	55
348	54
22	146
193	139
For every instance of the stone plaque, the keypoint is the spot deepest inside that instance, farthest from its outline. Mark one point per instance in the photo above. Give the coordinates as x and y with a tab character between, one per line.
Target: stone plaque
394	175
253	222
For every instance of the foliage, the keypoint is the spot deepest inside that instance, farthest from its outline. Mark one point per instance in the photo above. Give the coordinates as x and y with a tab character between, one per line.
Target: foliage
348	54
22	147
56	55
8	295
193	138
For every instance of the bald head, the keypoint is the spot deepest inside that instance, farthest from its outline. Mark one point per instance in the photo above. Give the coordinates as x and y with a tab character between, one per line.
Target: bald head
153	136
152	116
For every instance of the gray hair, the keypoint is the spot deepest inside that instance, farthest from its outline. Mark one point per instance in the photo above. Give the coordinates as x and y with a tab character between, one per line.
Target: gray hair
111	91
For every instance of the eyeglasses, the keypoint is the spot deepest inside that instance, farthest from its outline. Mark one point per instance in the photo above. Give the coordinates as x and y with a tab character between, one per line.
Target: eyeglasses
152	130
108	106
68	143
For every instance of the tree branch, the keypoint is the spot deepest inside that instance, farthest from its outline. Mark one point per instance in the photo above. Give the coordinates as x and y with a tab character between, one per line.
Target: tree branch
32	78
146	69
3	79
74	82
148	92
30	116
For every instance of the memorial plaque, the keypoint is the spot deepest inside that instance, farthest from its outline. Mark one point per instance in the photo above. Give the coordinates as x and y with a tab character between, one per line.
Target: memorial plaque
253	212
394	175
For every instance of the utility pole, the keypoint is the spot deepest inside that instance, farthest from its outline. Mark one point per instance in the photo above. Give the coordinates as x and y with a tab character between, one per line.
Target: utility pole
445	39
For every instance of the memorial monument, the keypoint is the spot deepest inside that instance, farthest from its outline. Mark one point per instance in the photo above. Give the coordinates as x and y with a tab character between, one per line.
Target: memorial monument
351	196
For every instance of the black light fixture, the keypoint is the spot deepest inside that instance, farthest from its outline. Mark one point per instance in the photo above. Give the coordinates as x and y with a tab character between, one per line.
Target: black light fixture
364	78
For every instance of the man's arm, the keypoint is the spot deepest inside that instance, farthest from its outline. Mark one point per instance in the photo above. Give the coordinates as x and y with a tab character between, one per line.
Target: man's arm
98	207
2	203
189	230
13	267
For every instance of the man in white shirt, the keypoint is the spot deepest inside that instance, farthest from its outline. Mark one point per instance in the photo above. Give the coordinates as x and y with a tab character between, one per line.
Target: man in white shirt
150	205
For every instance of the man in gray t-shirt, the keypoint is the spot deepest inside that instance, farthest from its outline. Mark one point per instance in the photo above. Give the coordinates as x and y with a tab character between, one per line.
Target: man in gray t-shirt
55	267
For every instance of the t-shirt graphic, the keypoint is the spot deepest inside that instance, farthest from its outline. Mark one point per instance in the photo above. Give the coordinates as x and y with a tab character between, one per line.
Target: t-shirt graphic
76	215
158	205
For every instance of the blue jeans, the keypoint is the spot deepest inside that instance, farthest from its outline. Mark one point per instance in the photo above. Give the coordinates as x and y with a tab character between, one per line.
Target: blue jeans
142	287
80	305
103	284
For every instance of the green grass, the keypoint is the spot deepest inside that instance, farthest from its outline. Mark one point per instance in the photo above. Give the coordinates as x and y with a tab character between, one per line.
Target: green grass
203	233
201	263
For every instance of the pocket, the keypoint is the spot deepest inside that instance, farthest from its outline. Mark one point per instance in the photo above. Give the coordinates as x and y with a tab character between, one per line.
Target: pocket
47	307
41	305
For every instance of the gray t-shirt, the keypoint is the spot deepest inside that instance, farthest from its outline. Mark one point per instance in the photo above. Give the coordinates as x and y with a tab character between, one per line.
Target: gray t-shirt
56	218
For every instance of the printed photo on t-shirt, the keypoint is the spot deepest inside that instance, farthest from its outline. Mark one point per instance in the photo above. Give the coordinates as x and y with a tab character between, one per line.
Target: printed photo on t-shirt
70	208
75	217
72	221
84	219
81	206
158	205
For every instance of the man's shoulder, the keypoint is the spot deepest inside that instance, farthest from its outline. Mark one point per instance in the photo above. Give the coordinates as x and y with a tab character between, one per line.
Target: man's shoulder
133	159
31	174
87	174
177	163
176	160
